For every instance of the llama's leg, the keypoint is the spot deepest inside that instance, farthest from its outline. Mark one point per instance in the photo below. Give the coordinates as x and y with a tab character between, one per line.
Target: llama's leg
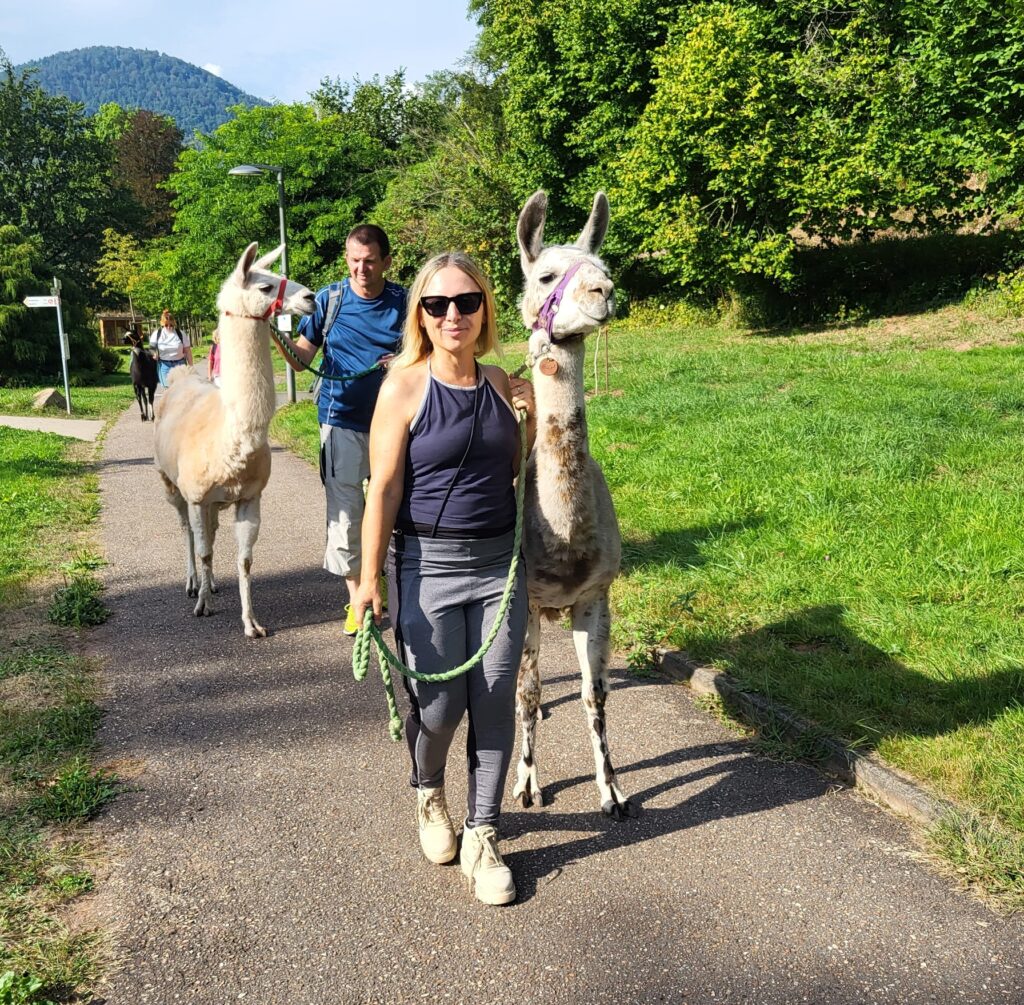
591	628
214	525
527	788
247	530
140	397
199	518
151	393
191	578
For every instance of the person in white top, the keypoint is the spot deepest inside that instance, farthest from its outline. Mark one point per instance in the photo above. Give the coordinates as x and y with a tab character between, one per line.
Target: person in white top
173	348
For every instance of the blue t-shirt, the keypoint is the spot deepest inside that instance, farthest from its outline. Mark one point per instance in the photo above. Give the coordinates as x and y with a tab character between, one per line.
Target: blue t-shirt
363	331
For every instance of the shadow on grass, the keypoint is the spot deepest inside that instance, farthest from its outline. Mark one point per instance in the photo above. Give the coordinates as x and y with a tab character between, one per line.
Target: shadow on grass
811	659
681	546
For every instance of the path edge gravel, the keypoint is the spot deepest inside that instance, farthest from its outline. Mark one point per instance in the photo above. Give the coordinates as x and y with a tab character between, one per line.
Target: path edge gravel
864	771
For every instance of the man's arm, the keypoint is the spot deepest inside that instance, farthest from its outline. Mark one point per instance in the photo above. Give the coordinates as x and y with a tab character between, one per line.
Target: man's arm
302	348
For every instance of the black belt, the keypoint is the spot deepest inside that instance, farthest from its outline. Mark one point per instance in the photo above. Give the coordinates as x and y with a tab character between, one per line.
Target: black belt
453	533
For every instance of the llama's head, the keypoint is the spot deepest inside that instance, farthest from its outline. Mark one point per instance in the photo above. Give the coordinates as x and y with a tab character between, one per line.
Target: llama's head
567	291
252	291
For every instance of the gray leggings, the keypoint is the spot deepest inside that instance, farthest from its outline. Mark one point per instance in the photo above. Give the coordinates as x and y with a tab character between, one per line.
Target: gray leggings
443	595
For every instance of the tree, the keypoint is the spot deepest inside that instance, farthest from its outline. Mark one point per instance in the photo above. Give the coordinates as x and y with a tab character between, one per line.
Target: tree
462	194
723	128
53	173
28	337
332	180
132	270
144	147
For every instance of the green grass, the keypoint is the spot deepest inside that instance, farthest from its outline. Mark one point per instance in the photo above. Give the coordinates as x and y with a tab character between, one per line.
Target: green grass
842	517
48	719
46	490
101	401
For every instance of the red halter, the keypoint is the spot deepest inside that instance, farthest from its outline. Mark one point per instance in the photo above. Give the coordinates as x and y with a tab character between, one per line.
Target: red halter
275	306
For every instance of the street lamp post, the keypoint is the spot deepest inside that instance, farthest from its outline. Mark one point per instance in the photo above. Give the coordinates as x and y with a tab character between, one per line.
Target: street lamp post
284	321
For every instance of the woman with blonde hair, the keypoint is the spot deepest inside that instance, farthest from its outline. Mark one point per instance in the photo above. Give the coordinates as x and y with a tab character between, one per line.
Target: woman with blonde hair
444	451
172	347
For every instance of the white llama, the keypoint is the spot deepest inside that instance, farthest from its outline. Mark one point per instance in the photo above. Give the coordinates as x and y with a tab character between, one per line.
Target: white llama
210	444
571	538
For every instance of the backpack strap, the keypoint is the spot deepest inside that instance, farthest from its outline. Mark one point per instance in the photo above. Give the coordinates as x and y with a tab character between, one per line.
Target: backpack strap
334	298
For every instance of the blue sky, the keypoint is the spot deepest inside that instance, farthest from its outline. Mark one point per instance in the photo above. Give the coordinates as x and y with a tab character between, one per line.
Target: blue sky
274	50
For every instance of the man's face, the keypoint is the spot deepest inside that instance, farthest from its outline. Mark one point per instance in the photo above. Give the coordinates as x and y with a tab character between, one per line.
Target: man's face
366	267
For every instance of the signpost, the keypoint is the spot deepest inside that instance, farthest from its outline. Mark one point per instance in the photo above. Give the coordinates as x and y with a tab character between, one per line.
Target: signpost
53	300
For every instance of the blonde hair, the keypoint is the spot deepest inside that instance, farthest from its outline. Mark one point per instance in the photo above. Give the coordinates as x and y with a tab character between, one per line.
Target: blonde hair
165	317
416	345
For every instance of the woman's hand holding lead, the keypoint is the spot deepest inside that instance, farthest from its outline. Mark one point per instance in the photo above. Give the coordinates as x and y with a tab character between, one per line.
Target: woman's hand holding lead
522	394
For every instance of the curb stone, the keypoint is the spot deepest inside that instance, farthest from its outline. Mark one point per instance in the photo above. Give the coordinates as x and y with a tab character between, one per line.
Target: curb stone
867	771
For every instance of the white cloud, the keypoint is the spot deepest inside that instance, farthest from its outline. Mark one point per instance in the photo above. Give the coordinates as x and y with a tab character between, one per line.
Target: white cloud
213	68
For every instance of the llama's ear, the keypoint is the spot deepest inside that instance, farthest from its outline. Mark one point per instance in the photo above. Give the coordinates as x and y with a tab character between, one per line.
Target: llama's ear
245	263
592	235
268	259
530	229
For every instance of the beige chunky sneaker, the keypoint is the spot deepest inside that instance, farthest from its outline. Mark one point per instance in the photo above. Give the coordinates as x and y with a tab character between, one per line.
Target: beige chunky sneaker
437	835
489	878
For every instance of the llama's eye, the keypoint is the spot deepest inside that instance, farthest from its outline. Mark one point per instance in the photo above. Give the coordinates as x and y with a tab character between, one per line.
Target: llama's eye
547	277
265	287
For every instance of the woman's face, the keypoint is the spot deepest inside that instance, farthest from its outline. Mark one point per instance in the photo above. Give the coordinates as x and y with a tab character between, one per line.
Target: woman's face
454	331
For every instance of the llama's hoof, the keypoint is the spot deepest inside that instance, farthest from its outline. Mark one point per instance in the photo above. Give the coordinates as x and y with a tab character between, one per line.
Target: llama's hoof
528	794
202	609
620	809
255	631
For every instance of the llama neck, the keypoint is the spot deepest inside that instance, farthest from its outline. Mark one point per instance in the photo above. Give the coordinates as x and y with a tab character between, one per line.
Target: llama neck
247	380
562	451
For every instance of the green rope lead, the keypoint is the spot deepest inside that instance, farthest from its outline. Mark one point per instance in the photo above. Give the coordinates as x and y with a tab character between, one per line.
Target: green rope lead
323	375
386	659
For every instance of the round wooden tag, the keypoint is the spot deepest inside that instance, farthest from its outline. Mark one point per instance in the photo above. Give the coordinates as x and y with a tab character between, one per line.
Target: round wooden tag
548	366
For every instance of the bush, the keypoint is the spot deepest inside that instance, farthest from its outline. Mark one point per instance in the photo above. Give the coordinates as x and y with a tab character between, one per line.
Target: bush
110	360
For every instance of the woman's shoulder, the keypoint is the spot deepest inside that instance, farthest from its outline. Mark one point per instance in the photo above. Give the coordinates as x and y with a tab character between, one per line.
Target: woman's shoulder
404	385
495	374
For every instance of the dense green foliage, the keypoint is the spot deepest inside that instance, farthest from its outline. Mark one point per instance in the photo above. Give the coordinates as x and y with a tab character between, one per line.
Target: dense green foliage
29	345
741	143
724	130
52	181
196	99
333	176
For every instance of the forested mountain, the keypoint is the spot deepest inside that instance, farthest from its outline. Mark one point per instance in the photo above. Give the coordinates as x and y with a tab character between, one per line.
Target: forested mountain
141	78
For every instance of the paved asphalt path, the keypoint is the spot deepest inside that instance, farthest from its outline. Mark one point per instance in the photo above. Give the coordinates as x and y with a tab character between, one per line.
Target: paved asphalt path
266	851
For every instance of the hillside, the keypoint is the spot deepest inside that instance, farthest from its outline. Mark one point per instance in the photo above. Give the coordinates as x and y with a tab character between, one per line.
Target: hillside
141	78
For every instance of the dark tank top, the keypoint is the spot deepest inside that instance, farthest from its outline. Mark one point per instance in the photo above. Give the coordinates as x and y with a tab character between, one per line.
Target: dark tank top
481	502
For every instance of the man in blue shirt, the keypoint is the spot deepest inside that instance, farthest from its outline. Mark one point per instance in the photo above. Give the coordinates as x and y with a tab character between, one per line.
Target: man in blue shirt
367	328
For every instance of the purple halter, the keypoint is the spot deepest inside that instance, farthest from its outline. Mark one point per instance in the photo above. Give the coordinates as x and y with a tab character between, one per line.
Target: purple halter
546	317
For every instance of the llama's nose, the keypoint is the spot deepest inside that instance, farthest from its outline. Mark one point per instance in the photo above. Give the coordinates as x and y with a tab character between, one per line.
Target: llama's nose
602	287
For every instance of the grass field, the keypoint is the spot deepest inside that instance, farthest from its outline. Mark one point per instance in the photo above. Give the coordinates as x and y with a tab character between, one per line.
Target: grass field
835	518
48	718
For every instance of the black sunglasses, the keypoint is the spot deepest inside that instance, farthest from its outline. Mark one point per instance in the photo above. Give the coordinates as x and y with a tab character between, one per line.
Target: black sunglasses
465	303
